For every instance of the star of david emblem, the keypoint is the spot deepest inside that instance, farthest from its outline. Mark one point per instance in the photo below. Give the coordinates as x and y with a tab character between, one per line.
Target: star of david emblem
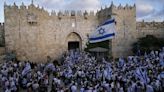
101	31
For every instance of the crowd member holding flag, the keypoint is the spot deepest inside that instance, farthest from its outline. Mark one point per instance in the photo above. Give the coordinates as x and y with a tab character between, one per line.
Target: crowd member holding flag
27	69
161	57
104	31
141	73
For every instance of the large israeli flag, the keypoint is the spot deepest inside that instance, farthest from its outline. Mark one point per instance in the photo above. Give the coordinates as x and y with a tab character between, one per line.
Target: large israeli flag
104	32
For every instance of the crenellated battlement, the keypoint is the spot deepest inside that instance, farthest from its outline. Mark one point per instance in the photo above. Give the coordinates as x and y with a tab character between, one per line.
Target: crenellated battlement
72	13
1	27
38	9
1	24
150	28
119	7
68	13
149	25
113	10
30	7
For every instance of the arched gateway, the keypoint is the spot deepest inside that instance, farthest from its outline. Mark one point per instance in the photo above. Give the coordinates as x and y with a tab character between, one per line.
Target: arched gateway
74	41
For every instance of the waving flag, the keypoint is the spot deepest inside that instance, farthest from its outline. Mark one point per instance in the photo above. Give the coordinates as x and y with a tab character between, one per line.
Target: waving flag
50	66
142	75
27	69
104	32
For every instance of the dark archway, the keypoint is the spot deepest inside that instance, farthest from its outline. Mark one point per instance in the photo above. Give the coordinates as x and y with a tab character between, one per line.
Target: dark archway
74	41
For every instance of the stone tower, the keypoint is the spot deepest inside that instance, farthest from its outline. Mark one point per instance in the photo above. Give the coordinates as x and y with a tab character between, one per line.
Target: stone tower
126	33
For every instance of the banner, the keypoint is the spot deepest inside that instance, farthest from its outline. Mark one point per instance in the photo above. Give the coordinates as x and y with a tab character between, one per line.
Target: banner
104	32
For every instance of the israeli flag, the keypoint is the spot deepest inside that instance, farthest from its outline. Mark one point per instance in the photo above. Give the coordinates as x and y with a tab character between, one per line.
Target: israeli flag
26	70
142	75
104	32
50	66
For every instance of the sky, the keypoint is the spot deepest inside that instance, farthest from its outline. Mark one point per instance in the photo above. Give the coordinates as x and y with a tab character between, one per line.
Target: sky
149	10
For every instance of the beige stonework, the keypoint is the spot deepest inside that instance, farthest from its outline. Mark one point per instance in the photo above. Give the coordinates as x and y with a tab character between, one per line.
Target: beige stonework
34	34
125	28
2	34
150	28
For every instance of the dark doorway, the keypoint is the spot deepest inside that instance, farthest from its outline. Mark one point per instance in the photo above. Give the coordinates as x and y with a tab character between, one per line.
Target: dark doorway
73	45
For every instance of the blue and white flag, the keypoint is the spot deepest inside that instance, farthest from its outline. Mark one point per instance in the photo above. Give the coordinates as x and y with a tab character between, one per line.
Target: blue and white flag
104	32
50	66
26	70
121	62
142	75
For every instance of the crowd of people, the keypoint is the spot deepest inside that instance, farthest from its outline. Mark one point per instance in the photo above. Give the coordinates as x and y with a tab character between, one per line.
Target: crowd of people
81	72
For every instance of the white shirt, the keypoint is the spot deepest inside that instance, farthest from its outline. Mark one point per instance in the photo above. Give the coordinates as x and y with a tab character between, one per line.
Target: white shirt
7	90
13	86
7	84
73	88
149	88
133	87
35	86
81	89
130	89
121	89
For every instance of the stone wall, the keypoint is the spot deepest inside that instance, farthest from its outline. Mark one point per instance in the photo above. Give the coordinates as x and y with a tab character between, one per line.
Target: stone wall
2	40
125	17
34	34
150	28
125	30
